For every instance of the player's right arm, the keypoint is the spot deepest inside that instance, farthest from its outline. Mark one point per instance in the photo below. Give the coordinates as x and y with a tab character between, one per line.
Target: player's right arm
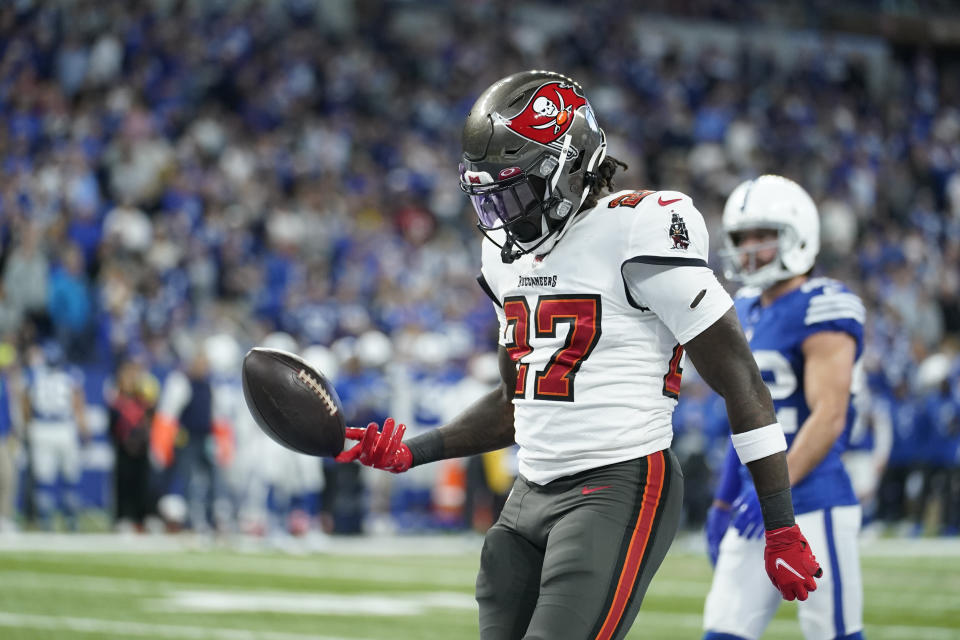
486	425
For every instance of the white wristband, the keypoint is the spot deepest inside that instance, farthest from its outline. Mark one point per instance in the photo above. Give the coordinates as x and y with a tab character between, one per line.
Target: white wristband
759	443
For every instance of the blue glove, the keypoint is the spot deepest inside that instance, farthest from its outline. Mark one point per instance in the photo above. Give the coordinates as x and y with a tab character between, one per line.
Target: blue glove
747	516
718	519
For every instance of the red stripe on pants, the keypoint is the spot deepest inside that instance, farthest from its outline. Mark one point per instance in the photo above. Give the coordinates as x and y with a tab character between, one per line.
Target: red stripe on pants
653	487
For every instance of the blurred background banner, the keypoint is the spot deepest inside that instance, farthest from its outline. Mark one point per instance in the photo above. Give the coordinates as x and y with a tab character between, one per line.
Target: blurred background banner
182	180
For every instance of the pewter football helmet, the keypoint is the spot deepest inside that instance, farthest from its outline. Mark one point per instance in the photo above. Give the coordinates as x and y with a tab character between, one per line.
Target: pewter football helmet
530	147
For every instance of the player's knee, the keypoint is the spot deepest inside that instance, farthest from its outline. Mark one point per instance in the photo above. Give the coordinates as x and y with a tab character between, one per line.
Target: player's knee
507	584
504	557
495	573
715	635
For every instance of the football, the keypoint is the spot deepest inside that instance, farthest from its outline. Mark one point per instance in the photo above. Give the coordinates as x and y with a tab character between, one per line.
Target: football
293	402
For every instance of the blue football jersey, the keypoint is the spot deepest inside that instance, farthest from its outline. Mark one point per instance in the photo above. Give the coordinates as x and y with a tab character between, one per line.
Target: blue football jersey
776	334
51	392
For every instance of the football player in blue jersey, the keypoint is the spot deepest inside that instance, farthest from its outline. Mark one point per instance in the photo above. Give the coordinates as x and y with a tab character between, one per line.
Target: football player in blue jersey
55	410
806	335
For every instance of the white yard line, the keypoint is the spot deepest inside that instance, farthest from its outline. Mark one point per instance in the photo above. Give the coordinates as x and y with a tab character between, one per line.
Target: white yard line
197	597
328	604
126	629
201	596
382	604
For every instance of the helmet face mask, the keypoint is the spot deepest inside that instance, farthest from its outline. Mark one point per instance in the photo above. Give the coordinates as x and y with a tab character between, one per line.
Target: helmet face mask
770	203
530	145
744	264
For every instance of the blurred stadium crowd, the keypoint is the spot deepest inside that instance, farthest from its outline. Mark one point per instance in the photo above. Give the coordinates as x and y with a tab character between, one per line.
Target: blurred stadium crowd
180	181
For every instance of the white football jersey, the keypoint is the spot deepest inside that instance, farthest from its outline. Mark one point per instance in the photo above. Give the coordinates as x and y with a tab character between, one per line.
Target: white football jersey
599	358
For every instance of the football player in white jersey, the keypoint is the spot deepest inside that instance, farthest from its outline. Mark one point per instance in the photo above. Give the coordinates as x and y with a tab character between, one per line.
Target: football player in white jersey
806	335
598	296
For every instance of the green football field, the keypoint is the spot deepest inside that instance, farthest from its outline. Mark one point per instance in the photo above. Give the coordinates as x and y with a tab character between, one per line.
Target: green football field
61	587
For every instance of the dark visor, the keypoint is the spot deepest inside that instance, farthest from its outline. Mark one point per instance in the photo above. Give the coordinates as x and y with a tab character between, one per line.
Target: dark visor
502	202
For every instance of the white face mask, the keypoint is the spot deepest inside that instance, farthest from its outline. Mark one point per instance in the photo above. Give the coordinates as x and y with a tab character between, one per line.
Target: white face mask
740	263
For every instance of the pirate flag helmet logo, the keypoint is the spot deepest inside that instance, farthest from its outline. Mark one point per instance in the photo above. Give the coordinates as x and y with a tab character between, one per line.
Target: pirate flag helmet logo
548	113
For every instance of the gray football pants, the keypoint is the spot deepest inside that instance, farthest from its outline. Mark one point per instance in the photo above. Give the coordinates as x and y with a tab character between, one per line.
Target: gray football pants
572	559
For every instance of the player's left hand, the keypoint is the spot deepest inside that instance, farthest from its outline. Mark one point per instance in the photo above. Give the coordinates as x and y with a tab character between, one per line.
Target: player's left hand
381	450
790	563
747	516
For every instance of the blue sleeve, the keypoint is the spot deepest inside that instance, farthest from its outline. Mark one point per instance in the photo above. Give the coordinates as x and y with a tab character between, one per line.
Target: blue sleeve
834	308
728	487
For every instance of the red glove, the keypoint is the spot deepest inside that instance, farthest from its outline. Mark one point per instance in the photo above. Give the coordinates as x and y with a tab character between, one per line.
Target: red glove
381	450
790	563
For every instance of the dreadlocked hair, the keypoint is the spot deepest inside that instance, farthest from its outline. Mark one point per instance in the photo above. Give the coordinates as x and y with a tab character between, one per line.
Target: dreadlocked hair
604	180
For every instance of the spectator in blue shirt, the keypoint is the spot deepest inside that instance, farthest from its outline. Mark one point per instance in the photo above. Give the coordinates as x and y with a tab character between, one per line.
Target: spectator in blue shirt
68	303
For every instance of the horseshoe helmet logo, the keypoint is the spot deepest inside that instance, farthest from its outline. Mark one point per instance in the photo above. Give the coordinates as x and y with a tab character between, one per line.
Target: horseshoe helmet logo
548	114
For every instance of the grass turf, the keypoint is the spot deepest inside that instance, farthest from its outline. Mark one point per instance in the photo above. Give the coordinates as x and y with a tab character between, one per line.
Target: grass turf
409	589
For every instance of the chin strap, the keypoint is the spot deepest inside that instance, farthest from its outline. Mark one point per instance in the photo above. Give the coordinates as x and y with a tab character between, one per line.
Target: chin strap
507	254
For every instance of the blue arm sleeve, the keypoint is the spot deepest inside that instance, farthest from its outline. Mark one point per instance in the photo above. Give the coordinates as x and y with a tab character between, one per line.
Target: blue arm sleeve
728	488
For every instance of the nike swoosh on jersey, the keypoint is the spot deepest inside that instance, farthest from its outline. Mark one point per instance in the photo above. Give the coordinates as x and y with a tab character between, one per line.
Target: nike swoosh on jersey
664	203
781	563
588	490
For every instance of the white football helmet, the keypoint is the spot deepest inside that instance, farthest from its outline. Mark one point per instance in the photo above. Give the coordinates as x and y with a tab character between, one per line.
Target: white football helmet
771	202
223	353
280	340
323	360
373	349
